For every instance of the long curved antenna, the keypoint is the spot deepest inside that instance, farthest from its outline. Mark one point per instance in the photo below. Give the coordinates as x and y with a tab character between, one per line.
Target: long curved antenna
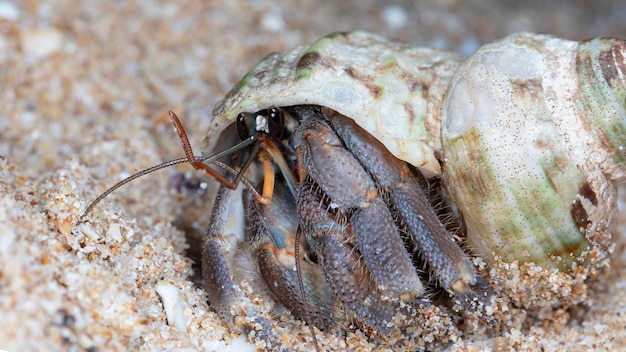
126	180
198	163
151	169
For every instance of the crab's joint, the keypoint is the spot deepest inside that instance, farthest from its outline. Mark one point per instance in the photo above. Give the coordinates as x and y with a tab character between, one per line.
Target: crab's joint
273	154
198	165
459	285
268	177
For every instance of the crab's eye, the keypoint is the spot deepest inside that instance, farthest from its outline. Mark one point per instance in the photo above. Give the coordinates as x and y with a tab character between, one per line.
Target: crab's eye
276	122
243	126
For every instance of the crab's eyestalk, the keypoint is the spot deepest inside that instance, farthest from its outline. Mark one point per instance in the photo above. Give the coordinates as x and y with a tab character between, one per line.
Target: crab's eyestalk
267	127
247	130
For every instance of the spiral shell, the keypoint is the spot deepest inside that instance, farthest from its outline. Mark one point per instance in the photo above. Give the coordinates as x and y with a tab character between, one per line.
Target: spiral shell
531	130
533	140
392	90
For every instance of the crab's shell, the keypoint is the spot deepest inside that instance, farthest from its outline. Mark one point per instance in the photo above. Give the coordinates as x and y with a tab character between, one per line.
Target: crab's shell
393	91
531	131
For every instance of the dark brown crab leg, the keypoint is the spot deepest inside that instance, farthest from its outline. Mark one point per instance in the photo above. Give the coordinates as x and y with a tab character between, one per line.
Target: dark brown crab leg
352	191
347	276
218	280
449	264
223	295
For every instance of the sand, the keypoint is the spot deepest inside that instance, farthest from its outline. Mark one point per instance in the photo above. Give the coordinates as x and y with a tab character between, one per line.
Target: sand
86	87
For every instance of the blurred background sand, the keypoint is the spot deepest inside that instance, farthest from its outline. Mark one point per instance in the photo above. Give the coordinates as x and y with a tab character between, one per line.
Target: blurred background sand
85	90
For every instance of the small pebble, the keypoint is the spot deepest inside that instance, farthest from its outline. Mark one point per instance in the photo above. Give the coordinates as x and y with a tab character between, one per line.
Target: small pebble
394	16
114	232
9	11
273	22
40	43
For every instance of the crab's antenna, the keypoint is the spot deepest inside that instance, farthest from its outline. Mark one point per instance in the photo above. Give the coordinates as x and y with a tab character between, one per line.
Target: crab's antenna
253	153
152	169
126	180
199	165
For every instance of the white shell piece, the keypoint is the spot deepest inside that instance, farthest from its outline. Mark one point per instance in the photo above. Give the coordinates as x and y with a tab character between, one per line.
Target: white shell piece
173	303
115	232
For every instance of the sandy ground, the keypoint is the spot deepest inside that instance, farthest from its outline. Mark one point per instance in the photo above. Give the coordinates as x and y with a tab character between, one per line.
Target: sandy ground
86	87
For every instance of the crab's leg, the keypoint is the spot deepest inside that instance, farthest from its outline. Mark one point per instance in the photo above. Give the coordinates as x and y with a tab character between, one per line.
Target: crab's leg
226	220
449	264
270	233
347	276
353	192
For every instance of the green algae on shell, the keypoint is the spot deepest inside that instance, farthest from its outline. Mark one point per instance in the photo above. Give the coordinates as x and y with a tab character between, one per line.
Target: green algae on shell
392	90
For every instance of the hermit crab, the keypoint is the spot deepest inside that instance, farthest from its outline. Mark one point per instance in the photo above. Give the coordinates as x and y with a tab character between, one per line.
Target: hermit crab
331	141
528	135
